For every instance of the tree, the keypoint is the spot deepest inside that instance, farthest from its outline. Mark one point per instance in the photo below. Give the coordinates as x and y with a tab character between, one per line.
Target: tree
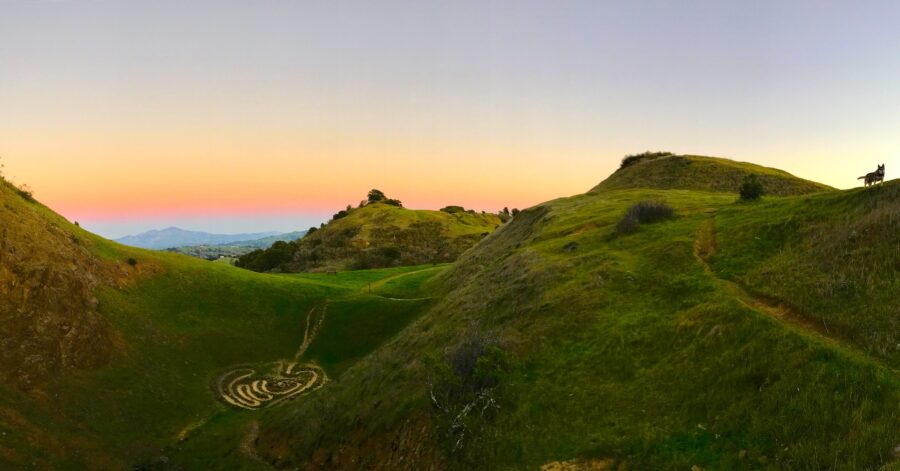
515	212
751	188
376	195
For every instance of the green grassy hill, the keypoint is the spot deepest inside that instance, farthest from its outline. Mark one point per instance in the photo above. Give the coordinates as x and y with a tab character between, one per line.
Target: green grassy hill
694	172
692	342
731	336
111	354
377	235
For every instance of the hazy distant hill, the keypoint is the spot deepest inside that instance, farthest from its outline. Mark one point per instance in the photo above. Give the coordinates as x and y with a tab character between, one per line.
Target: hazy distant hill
235	249
175	237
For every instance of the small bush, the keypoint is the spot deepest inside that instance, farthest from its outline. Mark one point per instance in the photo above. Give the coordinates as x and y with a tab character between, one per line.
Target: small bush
751	188
635	158
393	202
26	192
132	262
644	212
453	209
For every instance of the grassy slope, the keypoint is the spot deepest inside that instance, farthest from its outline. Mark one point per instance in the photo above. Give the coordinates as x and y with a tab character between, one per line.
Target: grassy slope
695	172
380	214
628	348
343	242
176	327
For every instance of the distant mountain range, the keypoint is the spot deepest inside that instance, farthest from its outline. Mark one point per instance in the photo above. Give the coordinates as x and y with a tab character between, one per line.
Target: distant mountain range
235	249
174	237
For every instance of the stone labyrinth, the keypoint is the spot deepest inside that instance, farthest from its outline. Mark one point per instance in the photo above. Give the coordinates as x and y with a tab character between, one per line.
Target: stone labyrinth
252	388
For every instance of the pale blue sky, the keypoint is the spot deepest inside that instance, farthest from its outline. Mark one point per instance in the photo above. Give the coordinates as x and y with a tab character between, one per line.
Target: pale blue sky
506	102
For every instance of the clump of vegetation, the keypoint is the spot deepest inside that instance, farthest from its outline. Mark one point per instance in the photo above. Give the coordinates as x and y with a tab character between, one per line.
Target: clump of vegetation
376	196
453	209
644	212
751	188
132	261
279	253
635	158
26	192
505	214
463	388
393	202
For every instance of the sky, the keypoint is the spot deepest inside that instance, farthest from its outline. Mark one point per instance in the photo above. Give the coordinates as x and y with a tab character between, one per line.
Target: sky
238	116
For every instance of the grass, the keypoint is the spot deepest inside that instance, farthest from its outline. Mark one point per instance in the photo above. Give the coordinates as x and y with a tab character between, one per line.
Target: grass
624	348
170	348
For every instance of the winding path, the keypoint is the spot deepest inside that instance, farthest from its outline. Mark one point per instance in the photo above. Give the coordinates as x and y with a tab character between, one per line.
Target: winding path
705	247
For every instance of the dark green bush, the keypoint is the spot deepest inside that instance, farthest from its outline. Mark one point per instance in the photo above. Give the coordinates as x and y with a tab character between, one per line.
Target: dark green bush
751	188
643	212
453	209
375	196
25	192
132	261
635	158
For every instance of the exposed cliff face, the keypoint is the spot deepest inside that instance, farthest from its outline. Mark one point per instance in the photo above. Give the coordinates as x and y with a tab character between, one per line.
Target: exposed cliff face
48	313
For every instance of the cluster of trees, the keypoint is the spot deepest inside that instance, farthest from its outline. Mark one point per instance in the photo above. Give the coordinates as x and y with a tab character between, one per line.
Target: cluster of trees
377	196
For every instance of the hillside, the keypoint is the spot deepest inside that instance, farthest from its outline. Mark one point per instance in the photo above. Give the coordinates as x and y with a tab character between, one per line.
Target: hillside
692	342
111	354
377	235
171	237
693	172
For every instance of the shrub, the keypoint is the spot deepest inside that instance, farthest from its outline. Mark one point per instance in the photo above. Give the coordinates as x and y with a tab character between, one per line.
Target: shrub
393	202
375	196
25	192
465	387
751	188
340	214
132	261
453	209
643	212
635	158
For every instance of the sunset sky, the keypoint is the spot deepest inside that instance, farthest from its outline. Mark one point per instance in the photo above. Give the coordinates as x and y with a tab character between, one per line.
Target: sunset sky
238	116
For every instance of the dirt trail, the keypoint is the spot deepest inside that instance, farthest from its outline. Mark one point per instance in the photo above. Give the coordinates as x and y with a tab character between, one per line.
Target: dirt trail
378	284
705	248
248	444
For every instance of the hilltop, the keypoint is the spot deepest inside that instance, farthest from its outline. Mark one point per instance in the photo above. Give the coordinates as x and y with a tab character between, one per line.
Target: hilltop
666	171
380	233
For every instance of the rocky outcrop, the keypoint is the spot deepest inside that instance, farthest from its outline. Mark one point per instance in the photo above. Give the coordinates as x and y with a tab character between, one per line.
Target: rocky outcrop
49	322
